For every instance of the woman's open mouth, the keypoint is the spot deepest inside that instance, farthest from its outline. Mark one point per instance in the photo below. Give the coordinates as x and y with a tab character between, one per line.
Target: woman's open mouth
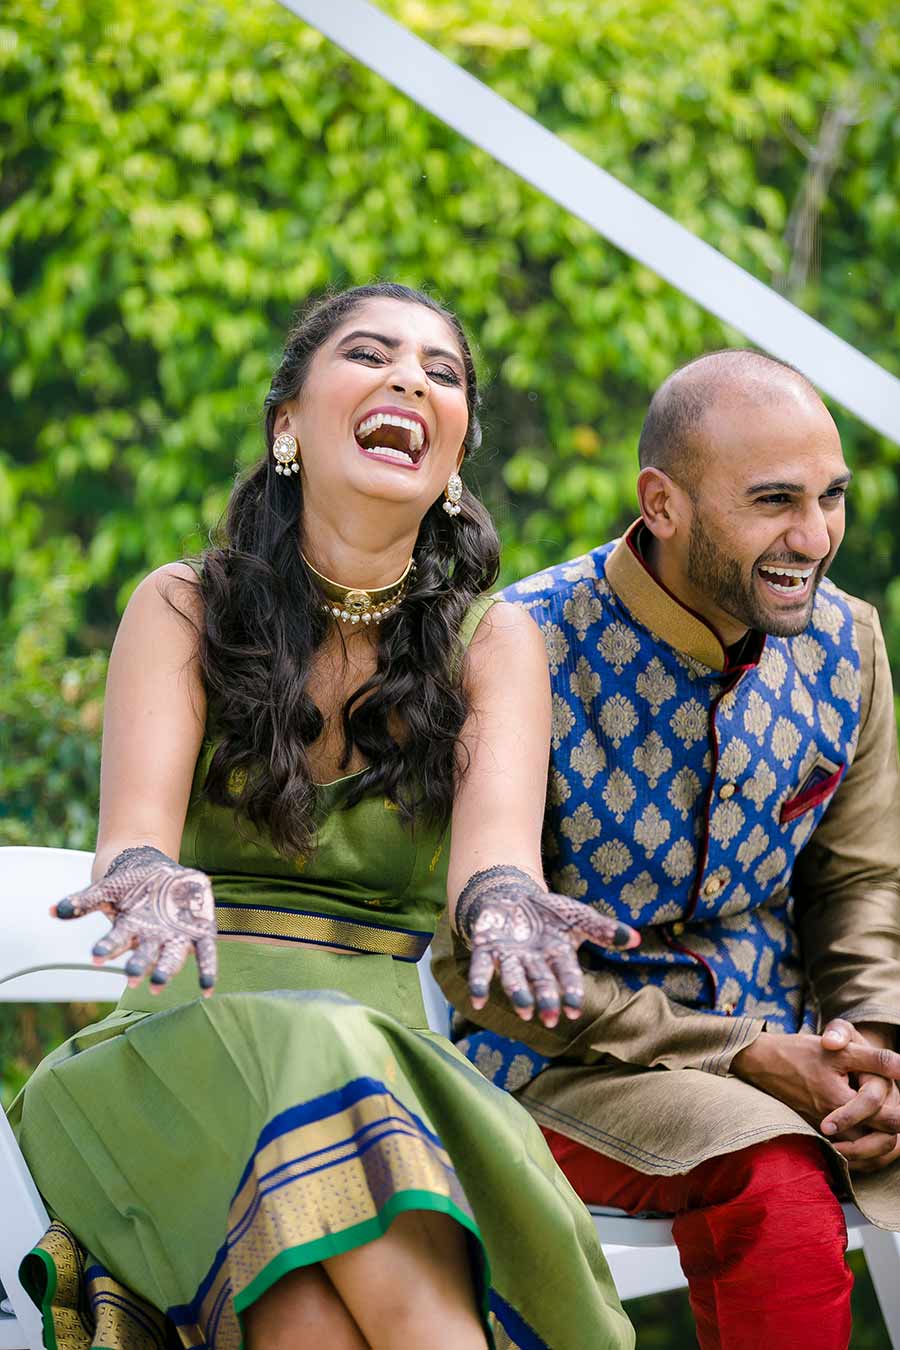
393	435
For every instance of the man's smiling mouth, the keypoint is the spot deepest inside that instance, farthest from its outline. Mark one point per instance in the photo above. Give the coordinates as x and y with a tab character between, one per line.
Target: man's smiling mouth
786	580
392	434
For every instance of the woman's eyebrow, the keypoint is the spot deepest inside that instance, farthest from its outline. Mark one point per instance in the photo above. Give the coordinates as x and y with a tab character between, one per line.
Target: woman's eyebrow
393	343
442	351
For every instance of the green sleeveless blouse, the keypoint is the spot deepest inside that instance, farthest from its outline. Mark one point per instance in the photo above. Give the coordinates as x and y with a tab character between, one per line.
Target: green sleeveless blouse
367	865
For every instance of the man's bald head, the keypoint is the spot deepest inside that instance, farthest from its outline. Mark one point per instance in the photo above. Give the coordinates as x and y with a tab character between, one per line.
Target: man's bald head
673	437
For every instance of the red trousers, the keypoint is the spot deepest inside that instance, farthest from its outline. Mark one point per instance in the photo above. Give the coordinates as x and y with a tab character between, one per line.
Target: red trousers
760	1233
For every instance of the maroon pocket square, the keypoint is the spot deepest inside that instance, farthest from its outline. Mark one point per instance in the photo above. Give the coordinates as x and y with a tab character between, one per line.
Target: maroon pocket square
818	785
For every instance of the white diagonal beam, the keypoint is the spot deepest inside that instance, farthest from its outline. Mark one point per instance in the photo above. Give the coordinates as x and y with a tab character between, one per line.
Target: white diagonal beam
615	211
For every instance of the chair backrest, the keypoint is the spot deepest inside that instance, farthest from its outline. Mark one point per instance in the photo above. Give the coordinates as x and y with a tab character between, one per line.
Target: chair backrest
42	959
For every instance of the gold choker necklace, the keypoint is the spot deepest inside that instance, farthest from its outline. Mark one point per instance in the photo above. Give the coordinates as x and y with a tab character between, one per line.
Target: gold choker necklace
350	604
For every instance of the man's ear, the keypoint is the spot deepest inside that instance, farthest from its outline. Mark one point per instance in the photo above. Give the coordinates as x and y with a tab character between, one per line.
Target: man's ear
662	503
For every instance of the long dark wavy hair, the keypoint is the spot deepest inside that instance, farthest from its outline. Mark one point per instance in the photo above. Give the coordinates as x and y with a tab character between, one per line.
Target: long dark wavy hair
263	623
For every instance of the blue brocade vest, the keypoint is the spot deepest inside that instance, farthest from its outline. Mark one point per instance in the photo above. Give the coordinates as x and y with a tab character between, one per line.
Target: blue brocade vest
682	789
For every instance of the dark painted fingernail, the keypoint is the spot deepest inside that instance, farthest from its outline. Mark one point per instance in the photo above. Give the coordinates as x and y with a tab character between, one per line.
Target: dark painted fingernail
158	979
547	1004
133	967
522	999
207	981
571	1000
100	948
622	936
478	990
65	909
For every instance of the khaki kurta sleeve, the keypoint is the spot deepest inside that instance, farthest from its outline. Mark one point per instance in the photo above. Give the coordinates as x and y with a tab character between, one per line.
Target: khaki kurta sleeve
637	1027
847	879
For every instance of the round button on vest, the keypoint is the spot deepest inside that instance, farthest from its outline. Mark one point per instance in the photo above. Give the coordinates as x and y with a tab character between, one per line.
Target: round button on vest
678	928
712	887
727	1008
727	790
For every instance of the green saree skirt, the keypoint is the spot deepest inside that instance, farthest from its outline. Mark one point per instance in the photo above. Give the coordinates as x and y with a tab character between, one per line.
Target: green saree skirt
193	1151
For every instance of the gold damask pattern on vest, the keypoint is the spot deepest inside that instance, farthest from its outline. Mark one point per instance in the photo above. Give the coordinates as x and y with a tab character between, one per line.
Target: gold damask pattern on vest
681	788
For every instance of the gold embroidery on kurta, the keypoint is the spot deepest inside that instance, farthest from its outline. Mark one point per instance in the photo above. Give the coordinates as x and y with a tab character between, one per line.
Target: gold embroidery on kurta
638	893
832	723
584	682
684	985
684	791
801	701
760	785
756	843
651	830
557	645
772	669
488	1061
655	685
562	720
611	859
757	716
827	617
764	970
808	653
558	790
667	912
580	569
742	953
569	881
618	718
770	867
588	758
653	758
734	759
541	581
689	722
785	741
580	827
619	794
845	683
726	823
582	609
618	646
680	861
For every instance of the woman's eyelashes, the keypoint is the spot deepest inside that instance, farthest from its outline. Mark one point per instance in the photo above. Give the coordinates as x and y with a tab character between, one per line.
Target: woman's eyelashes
368	355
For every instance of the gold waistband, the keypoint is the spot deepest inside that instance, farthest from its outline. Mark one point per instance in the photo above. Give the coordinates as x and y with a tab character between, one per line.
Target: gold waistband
291	925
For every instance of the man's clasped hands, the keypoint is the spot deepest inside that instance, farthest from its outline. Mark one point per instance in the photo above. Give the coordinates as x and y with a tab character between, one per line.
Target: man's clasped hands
844	1082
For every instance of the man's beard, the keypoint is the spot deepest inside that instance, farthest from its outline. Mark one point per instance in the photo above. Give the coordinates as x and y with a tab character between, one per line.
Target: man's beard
718	577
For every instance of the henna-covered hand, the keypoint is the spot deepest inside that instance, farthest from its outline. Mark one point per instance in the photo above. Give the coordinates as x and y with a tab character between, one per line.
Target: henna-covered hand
160	910
530	937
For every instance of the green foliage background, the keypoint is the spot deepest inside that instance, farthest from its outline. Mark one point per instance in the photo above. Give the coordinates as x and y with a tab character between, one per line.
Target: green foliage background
176	178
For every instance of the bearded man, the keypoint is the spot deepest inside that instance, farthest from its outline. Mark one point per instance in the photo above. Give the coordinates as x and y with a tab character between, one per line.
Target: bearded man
724	778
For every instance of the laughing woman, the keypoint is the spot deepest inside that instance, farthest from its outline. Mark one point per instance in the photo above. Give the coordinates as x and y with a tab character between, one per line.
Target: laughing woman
296	1161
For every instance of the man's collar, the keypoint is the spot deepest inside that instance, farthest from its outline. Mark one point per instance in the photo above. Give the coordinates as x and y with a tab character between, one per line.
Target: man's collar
654	606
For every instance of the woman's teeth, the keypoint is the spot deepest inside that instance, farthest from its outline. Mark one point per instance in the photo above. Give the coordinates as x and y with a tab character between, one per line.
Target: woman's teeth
378	420
390	452
786	579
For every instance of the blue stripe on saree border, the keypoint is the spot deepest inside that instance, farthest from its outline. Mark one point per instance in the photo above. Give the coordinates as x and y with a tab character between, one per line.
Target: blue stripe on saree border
264	1190
119	1300
328	1104
517	1329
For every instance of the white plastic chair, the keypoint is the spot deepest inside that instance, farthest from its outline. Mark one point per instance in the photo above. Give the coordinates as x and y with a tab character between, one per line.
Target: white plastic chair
43	960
